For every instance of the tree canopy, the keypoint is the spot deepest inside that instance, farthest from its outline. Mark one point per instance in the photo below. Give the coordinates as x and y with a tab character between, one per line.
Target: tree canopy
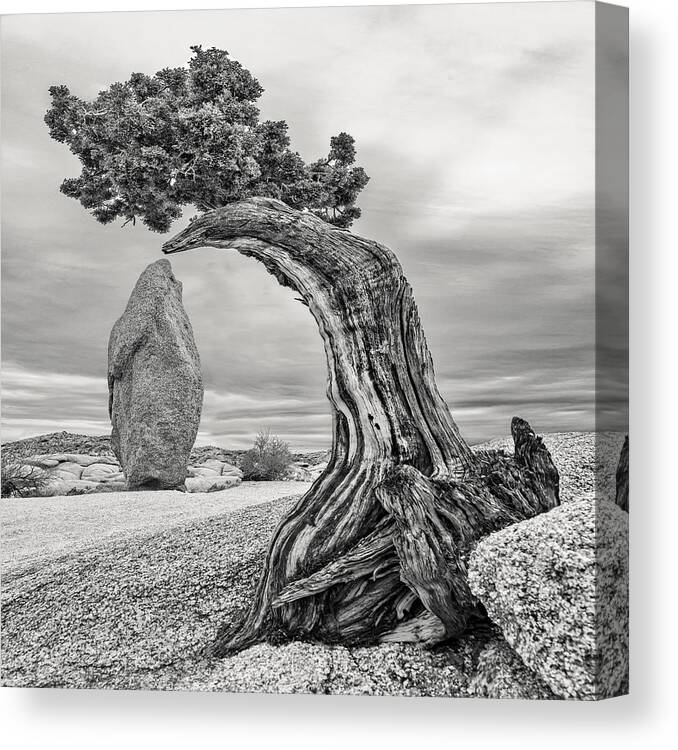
192	136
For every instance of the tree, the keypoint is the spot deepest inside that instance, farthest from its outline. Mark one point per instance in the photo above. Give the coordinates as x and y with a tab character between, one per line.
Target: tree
192	136
376	549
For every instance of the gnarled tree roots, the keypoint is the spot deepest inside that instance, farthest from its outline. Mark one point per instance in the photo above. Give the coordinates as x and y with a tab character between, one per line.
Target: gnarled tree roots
405	580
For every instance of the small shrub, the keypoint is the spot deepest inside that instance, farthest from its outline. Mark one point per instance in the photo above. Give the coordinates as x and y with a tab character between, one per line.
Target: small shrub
22	480
269	459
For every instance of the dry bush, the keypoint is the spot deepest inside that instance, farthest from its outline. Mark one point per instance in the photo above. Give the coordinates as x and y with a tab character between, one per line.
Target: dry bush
269	459
23	480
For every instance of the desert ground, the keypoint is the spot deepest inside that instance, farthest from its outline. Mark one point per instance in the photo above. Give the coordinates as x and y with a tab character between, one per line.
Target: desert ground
127	590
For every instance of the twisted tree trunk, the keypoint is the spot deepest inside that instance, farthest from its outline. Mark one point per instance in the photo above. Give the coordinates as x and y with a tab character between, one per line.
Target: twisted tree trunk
375	549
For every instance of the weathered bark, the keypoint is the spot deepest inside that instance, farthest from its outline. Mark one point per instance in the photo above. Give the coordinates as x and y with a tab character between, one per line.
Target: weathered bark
375	549
622	497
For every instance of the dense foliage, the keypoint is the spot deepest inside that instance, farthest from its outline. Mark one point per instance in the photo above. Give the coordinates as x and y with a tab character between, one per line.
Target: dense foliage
192	136
269	459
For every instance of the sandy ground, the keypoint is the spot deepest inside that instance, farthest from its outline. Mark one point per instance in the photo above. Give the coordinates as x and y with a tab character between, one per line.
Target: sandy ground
35	530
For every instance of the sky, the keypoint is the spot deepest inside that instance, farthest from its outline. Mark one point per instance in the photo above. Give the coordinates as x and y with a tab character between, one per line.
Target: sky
476	126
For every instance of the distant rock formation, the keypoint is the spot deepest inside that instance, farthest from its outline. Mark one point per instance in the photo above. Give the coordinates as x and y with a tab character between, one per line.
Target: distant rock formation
78	474
57	442
100	445
306	467
154	383
213	475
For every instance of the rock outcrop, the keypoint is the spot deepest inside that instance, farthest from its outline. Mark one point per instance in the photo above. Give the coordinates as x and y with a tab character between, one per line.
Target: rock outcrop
76	474
557	586
211	484
212	475
57	442
154	382
305	472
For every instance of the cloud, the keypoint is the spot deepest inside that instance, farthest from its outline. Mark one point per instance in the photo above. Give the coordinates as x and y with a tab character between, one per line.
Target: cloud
37	401
476	125
34	402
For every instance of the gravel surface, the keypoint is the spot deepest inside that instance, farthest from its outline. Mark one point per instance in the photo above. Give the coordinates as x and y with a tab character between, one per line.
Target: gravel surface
139	612
37	529
140	615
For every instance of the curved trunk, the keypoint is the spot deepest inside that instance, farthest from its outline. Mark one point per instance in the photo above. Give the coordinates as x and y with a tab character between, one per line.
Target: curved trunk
344	566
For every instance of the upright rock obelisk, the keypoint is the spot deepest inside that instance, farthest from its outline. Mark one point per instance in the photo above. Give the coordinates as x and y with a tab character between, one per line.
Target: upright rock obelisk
155	386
